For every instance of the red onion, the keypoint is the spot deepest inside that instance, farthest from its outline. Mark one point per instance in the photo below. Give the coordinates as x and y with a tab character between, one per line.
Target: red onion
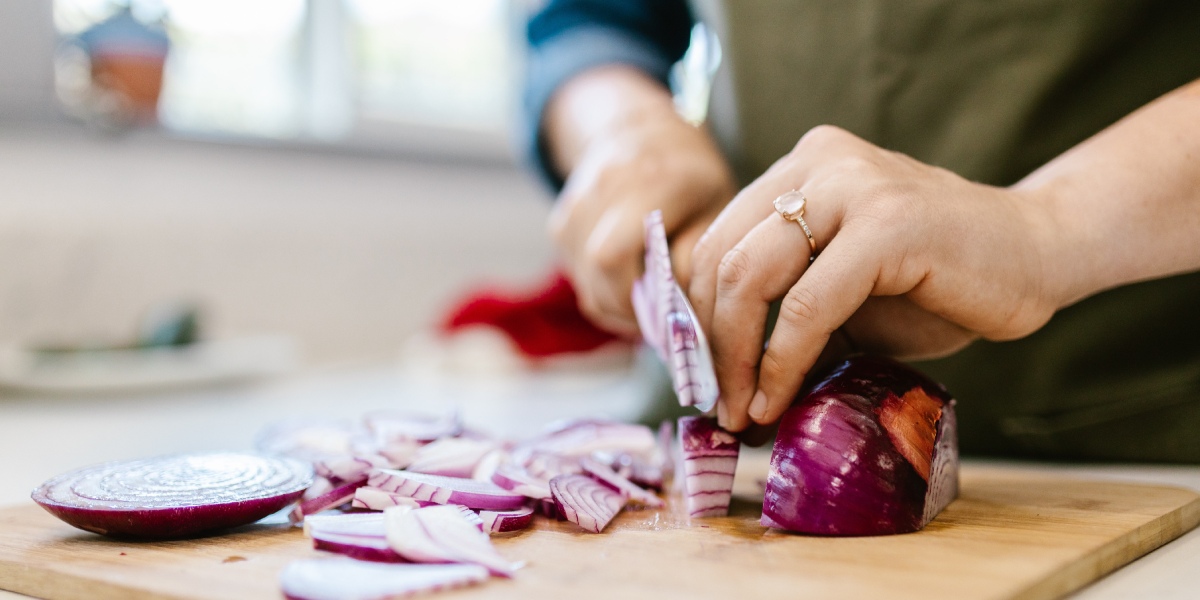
339	495
361	547
871	450
349	467
376	499
347	579
669	324
583	437
586	502
452	457
443	534
621	485
517	480
709	458
308	439
174	496
506	521
359	524
393	426
481	495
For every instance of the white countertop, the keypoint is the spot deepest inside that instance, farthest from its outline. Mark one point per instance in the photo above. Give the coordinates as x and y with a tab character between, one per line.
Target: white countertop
43	436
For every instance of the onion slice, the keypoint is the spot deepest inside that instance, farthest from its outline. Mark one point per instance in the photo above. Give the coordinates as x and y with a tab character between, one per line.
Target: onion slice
451	457
339	495
174	496
575	439
348	579
621	485
362	547
506	521
482	495
376	499
586	502
708	460
871	450
669	324
443	534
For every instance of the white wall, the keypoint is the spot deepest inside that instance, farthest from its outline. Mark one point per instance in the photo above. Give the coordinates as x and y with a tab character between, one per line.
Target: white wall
27	42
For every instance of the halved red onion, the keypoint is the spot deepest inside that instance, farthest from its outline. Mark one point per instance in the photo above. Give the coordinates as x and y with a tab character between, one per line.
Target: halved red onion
621	485
451	457
376	499
348	579
391	426
174	496
443	534
504	521
871	450
341	494
480	495
586	502
669	324
361	547
708	459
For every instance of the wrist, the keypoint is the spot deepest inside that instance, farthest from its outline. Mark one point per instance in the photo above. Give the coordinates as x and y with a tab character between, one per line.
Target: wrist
1061	245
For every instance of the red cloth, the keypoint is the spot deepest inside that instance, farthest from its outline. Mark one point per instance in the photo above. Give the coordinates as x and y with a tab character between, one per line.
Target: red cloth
541	322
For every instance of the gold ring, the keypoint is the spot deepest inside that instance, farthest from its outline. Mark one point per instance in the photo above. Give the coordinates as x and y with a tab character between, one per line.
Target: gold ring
790	206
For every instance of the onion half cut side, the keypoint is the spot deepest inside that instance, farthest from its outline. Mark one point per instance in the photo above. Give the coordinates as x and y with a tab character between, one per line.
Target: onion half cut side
348	579
871	450
174	496
708	460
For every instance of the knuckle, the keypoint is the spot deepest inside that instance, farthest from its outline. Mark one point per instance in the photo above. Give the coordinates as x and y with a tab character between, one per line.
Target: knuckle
733	271
821	135
608	259
800	306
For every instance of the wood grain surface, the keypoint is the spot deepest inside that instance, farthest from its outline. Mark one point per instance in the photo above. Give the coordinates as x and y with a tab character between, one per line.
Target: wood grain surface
1011	534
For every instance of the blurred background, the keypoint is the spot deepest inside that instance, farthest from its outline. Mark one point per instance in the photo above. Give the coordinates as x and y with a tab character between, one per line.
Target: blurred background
335	171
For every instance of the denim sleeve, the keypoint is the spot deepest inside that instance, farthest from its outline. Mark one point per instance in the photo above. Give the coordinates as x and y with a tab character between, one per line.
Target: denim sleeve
567	37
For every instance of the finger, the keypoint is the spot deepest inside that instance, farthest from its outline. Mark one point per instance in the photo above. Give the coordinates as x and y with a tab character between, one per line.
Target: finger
758	270
830	291
896	326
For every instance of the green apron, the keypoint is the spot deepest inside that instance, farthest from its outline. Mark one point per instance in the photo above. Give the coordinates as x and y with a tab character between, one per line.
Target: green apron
992	90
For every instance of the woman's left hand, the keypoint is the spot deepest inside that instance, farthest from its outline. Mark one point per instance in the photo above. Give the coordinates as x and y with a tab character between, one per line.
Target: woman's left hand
913	261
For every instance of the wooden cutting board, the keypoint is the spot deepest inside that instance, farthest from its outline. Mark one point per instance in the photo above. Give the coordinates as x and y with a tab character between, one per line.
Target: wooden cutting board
1011	534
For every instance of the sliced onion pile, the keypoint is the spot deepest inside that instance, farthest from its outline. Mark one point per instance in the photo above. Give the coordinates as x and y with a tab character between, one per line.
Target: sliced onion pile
871	450
174	496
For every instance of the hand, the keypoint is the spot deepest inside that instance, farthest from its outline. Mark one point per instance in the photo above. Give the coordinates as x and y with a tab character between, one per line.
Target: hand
647	159
912	260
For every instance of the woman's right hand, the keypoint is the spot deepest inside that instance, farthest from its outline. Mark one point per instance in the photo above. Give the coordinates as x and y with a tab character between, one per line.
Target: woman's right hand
627	152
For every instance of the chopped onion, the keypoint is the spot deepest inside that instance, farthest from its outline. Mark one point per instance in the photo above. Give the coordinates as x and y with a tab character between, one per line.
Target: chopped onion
480	495
871	450
376	499
506	521
348	579
621	485
517	480
393	426
669	324
174	496
709	458
451	457
308	439
580	438
443	534
362	547
586	502
349	467
360	524
339	495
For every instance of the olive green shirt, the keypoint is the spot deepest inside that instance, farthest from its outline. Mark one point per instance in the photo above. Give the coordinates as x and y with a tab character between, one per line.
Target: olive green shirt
993	89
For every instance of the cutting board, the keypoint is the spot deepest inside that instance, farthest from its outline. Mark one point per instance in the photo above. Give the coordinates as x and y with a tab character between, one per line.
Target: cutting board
1011	534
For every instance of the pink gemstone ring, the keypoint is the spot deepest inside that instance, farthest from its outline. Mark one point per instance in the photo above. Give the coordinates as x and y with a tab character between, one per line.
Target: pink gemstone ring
790	206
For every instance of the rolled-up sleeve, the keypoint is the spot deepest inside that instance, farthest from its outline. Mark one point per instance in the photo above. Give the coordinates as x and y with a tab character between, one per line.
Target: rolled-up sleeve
567	37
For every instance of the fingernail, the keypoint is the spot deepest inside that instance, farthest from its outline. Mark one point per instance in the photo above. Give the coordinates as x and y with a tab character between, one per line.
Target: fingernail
758	406
722	415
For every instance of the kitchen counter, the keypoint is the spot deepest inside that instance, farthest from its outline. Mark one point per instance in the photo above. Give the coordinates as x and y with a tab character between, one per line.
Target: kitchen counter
42	436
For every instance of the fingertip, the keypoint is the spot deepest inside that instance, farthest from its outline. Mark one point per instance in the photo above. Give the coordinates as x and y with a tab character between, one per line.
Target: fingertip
758	406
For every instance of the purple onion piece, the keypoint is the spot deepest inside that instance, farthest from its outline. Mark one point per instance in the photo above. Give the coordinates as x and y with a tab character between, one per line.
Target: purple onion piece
579	438
389	427
349	467
621	485
370	498
451	457
481	495
506	521
586	502
174	496
339	495
669	324
308	439
517	480
361	547
443	534
708	461
355	524
348	579
852	457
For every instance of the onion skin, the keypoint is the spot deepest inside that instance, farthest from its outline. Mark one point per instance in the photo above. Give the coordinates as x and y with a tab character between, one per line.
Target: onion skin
850	456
